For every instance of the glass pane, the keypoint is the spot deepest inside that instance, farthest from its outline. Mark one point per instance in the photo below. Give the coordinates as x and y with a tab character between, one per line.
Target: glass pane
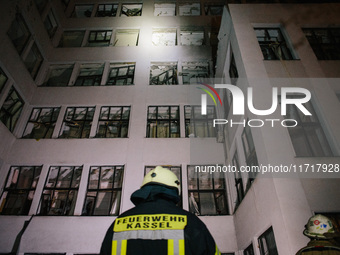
89	203
25	178
106	179
207	203
116	197
102	203
163	112
52	177
115	113
192	178
194	203
162	129
94	178
118	181
152	112
205	181
65	177
221	203
219	180
76	177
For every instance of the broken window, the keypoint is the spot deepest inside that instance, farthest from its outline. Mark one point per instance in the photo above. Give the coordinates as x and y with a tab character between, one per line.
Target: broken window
163	73
3	79
126	37
192	37
189	9
19	190
41	123
51	24
82	11
19	33
165	9
207	192
90	75
130	10
59	75
61	189
163	122
77	122
273	44
99	38
33	60
249	250
107	10
104	190
71	39
325	42
215	10
194	72
164	37
113	122
121	74
267	243
198	125
308	137
11	109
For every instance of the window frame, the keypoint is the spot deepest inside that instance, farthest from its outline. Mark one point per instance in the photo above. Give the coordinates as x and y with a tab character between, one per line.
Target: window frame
98	189
20	23
104	13
131	12
99	42
130	74
264	236
84	79
192	121
249	250
169	73
11	189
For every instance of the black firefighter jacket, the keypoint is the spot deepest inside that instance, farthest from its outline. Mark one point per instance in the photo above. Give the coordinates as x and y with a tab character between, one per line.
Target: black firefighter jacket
157	226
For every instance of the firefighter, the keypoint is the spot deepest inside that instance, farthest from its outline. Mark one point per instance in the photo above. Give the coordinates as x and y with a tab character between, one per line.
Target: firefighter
321	232
156	225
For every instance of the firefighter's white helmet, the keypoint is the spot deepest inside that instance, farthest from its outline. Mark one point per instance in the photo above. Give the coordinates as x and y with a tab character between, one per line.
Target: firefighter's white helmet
317	226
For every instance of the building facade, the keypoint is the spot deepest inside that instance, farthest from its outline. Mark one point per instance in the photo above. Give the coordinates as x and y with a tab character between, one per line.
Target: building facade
94	94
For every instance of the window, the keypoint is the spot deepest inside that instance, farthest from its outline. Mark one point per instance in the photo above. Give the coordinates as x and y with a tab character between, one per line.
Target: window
121	74
249	152
165	9
99	38
90	75
207	192
192	37
163	73
3	79
308	137
82	11
194	72
11	109
104	190
175	169
19	190
164	37
41	123
50	24
60	191
107	10
126	37
216	10
19	33
59	75
163	122
77	122
273	44
189	9
198	125
267	243
238	181
33	61
71	39
249	250
325	42
130	10
113	122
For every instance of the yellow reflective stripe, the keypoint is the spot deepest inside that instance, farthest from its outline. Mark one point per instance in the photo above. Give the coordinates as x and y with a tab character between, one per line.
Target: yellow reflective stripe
114	247
181	247
217	251
123	247
170	247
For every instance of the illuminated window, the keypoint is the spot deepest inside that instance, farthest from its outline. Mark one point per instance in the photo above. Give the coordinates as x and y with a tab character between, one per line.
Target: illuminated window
77	122
58	75
19	33
267	243
130	10
190	9
165	9
104	190
90	75
121	74
126	37
71	39
107	10
60	192
164	37
163	122
163	73
11	109
325	42
19	190
99	38
198	125
41	123
113	122
273	44
207	192
192	37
